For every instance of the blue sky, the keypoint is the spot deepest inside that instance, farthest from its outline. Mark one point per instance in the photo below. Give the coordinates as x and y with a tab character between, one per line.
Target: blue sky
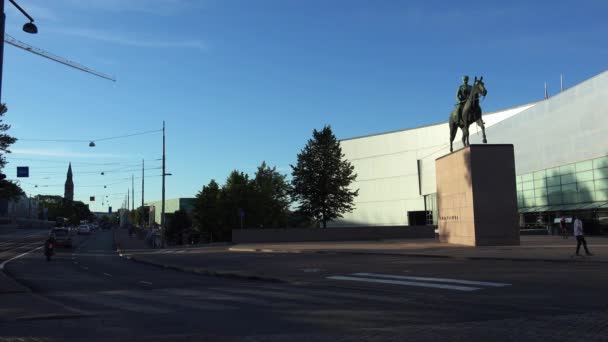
242	81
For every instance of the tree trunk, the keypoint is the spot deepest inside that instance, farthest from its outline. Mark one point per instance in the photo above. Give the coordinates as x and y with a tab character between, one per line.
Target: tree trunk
324	223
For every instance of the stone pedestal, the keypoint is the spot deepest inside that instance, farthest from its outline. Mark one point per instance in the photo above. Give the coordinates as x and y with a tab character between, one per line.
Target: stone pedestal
477	196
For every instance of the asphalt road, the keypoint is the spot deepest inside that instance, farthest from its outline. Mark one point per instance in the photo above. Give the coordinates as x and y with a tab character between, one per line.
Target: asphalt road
345	298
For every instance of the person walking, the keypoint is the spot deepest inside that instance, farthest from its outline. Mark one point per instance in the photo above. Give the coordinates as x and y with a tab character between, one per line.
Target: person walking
580	238
563	227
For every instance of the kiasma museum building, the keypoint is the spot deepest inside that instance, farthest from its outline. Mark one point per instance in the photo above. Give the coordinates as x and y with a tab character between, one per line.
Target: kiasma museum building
561	161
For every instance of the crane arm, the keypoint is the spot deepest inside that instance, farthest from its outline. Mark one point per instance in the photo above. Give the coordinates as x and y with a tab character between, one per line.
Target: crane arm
17	43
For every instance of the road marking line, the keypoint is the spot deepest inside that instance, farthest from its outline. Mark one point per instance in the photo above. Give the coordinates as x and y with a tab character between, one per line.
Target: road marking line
84	268
107	274
407	283
18	256
145	282
442	280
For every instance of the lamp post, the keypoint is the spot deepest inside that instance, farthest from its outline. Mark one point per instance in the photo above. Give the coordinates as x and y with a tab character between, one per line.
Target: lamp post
28	27
162	206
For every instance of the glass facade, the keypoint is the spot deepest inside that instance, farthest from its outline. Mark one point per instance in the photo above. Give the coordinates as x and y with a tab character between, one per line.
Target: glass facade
581	185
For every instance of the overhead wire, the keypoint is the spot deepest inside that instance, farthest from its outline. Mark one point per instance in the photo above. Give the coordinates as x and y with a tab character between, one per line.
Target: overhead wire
93	140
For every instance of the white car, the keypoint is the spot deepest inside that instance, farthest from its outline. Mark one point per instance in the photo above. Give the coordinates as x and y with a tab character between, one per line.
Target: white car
84	229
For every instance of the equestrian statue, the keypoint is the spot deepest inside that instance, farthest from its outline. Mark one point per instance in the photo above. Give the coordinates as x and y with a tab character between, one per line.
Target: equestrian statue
467	110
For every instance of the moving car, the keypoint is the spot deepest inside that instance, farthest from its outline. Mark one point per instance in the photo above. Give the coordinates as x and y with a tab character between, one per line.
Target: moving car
62	237
84	229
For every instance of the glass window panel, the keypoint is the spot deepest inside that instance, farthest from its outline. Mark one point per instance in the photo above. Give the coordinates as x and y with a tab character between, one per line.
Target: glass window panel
528	177
570	198
601	184
539	174
584	176
520	194
600	162
552	190
601	195
587	196
555	200
520	203
569	188
528	186
529	194
519	186
552	172
584	166
600	173
553	181
566	169
529	202
540	183
567	179
541	201
585	186
540	192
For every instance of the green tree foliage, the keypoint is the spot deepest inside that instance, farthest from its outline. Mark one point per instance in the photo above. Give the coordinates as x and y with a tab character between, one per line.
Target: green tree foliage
57	206
237	196
179	226
271	194
8	189
207	213
321	178
264	200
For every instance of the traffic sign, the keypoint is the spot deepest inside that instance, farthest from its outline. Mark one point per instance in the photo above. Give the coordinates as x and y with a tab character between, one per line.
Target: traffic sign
23	171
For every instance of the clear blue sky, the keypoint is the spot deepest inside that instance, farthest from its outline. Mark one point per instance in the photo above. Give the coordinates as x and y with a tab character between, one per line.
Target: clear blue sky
242	81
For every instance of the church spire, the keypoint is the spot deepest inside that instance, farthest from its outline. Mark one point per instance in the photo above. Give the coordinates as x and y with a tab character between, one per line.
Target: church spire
69	185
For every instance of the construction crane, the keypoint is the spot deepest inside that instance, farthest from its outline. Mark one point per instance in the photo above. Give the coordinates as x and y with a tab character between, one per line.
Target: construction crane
17	43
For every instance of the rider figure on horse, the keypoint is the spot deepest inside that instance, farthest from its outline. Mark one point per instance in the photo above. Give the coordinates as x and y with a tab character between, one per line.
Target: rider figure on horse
462	95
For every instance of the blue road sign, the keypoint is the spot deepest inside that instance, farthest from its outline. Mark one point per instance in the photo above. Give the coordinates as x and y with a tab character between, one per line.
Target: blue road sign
23	171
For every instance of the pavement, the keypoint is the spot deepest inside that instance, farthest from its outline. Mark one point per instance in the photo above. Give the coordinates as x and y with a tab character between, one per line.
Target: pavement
100	296
315	257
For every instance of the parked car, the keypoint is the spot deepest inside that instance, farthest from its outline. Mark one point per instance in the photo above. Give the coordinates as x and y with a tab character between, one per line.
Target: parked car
84	229
63	237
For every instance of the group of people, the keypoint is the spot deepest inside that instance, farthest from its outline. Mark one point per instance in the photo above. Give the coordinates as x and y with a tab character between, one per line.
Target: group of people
578	233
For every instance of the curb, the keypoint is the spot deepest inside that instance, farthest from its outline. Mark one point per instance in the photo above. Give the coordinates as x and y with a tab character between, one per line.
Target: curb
199	271
416	255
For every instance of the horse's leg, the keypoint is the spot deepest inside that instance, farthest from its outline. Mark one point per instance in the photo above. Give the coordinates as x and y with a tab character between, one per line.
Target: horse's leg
453	130
465	135
481	124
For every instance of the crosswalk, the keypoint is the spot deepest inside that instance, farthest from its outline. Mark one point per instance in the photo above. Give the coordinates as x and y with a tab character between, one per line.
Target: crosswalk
167	300
429	282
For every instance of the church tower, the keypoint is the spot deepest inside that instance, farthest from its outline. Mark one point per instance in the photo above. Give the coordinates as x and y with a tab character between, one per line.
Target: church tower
69	185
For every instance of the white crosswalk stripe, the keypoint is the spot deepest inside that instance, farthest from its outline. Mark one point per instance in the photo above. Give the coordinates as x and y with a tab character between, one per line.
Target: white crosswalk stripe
430	282
443	280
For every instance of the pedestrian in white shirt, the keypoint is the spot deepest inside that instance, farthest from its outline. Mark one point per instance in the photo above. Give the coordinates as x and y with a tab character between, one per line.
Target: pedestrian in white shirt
580	238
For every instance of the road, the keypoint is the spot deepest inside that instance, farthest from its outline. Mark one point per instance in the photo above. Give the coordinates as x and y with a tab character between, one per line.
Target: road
371	298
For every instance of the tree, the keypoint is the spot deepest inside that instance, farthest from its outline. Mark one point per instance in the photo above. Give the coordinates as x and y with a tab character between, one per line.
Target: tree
179	225
236	198
322	177
207	213
271	197
8	189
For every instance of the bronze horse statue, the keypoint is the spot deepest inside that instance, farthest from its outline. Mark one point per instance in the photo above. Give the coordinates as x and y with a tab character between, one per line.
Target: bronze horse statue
471	112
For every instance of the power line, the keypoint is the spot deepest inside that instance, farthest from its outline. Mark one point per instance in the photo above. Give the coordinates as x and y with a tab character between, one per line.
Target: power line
93	140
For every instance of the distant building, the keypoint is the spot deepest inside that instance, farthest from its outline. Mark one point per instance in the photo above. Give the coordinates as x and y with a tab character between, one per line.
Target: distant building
69	185
171	206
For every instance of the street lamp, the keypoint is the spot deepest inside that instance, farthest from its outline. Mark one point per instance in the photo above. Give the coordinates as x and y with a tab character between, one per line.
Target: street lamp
28	27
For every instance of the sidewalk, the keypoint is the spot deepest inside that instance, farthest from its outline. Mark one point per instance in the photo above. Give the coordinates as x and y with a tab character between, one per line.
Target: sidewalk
298	262
532	248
